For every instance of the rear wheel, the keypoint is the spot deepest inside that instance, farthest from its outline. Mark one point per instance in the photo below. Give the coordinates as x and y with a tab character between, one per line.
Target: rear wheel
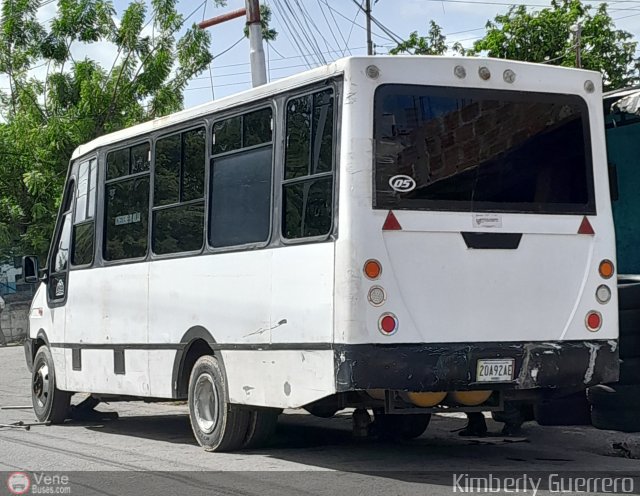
262	426
404	427
568	410
217	424
623	421
49	403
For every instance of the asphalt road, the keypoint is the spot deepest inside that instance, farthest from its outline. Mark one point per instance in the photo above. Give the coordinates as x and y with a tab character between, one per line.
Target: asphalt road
308	455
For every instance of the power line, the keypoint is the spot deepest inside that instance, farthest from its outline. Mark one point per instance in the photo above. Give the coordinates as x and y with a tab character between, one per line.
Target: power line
293	39
353	22
385	30
310	39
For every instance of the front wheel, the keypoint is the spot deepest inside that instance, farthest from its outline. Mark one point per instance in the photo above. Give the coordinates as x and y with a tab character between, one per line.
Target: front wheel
49	403
217	425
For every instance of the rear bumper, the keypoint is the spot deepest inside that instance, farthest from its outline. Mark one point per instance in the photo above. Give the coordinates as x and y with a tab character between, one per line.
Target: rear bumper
452	366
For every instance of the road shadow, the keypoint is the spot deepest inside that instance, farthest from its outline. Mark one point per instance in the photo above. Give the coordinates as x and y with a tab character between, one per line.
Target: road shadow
328	444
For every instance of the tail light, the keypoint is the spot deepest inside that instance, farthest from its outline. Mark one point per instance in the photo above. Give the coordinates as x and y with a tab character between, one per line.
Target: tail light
388	324
593	321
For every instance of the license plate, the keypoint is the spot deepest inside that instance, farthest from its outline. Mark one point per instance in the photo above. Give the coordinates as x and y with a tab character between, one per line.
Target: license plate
495	370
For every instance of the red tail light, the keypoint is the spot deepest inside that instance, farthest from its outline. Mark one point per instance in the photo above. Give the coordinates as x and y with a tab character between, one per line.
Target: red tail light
388	323
391	223
593	321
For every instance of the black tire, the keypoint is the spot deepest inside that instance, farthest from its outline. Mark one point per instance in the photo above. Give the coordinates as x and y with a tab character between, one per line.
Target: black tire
49	403
628	294
400	426
262	426
615	397
629	345
514	414
217	424
573	409
629	371
613	420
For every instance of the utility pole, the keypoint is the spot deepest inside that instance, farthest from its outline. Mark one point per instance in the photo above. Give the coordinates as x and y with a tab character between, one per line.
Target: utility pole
577	30
369	41
256	53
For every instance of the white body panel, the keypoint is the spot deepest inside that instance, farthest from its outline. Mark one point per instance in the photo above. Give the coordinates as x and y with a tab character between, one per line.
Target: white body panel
315	294
440	290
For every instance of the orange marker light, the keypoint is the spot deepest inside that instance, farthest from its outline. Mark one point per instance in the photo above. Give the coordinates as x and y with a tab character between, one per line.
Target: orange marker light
606	269
372	269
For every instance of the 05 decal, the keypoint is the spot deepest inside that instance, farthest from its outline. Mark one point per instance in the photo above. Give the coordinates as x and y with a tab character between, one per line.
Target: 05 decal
402	183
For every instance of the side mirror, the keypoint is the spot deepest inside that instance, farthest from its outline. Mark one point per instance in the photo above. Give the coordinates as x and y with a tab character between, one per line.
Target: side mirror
30	269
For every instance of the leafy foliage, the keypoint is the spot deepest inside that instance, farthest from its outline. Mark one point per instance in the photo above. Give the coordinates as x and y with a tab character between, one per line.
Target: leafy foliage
268	34
435	43
546	36
54	102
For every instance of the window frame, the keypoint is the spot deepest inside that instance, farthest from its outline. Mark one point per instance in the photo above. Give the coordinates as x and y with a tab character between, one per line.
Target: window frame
589	208
68	195
262	104
167	133
104	182
94	219
278	104
334	173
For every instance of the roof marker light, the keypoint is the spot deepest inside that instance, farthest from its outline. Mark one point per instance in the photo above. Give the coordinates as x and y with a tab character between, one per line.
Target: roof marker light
585	227
391	223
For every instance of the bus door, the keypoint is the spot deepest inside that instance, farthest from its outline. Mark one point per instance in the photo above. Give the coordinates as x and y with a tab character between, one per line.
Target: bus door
57	282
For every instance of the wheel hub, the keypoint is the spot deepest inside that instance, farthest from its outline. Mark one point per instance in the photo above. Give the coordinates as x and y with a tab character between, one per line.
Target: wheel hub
206	403
41	385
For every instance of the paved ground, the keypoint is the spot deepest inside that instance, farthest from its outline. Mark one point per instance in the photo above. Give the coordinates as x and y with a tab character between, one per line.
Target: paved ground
157	437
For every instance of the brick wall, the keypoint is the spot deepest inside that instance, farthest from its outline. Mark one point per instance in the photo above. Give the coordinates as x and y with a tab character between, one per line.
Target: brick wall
14	321
480	131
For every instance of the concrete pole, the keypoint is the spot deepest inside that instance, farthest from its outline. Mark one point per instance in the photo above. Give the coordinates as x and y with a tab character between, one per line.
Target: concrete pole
256	53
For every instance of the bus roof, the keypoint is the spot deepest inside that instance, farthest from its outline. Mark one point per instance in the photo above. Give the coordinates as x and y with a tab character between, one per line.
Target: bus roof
295	81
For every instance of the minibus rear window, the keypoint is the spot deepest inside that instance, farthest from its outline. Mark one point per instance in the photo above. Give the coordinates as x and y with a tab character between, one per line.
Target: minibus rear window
439	148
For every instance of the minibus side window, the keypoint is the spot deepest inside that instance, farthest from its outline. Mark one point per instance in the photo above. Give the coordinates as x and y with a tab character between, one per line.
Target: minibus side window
126	216
178	192
308	177
241	172
83	219
59	263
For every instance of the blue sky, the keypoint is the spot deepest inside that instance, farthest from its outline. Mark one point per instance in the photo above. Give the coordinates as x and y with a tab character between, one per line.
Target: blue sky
336	28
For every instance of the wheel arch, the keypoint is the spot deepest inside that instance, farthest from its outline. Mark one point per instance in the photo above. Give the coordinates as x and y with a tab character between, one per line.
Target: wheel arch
197	341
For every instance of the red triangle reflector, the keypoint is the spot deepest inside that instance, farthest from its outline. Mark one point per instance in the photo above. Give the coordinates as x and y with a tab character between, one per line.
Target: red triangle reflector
585	227
391	223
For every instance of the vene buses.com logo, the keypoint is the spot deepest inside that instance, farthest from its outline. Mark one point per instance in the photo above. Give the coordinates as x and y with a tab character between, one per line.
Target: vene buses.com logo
18	483
402	183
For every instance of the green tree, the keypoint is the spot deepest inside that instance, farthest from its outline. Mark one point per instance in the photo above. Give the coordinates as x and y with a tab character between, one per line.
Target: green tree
51	102
549	36
435	43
